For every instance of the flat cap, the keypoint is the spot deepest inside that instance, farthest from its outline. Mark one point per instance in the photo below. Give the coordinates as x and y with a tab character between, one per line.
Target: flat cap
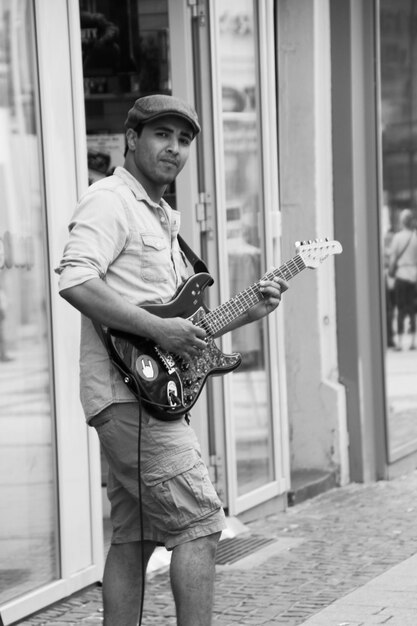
150	108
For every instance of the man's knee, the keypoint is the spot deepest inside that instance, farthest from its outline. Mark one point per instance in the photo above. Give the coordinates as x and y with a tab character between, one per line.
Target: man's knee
205	546
130	553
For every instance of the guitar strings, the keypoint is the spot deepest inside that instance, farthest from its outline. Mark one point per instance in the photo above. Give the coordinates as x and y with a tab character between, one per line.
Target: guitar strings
214	321
220	317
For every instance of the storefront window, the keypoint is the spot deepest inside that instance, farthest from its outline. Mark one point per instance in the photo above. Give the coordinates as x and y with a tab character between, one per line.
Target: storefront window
398	62
28	521
239	77
125	50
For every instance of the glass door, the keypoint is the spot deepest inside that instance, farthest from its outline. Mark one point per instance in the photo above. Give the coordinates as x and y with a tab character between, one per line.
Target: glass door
29	556
243	235
246	236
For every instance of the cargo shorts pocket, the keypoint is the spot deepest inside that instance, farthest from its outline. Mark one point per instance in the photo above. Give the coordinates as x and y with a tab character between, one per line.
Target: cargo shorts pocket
178	491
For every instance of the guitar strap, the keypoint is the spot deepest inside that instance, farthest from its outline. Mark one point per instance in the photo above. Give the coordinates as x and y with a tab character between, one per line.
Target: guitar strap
197	264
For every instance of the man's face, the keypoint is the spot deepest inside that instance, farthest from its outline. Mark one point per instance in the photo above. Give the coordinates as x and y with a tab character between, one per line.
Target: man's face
161	150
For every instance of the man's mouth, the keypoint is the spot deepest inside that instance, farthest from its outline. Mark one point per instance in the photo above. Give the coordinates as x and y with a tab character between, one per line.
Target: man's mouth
170	162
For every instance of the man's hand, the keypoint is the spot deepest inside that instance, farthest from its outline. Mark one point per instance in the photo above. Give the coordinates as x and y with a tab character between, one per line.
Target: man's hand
271	291
181	336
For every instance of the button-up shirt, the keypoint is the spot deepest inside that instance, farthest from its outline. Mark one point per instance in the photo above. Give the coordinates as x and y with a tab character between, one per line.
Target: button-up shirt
120	235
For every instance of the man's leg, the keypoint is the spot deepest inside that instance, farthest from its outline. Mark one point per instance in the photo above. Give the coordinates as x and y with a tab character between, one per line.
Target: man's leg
122	582
192	580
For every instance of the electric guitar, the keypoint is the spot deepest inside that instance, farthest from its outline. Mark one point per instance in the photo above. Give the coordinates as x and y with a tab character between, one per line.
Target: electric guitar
168	384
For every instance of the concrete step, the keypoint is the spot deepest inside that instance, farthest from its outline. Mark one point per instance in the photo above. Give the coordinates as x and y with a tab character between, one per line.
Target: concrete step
307	483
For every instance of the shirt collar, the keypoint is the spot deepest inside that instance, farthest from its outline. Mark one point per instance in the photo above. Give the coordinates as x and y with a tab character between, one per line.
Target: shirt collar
137	189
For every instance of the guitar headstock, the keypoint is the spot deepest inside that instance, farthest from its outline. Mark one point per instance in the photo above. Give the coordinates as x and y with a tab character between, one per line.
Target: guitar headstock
315	252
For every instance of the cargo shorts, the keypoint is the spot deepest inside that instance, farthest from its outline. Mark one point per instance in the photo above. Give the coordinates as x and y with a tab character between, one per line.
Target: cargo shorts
179	502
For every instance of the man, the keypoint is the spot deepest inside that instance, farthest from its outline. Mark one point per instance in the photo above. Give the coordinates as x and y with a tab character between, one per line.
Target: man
122	253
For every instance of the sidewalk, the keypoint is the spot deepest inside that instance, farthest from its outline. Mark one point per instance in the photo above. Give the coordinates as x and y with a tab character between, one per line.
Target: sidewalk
345	558
388	599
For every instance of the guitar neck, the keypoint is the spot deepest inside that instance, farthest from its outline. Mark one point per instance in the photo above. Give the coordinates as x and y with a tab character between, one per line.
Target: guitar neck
223	315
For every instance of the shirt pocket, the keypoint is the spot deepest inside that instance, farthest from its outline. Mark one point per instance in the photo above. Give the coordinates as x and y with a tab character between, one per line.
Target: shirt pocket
156	264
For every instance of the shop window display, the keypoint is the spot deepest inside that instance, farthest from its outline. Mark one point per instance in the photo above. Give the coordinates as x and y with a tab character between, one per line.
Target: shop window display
125	52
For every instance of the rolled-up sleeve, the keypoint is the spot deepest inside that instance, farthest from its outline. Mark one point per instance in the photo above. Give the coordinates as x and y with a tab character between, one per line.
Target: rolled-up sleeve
98	233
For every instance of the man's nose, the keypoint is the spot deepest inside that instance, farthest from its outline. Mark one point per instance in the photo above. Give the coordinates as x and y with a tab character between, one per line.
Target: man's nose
173	146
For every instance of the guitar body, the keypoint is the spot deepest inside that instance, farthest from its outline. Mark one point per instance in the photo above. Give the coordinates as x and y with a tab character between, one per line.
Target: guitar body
168	384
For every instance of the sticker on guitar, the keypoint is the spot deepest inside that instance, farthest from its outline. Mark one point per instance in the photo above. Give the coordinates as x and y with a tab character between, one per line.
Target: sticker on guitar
168	384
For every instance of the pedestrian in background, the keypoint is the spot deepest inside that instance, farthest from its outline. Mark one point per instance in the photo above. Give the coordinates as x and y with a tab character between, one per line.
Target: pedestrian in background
403	268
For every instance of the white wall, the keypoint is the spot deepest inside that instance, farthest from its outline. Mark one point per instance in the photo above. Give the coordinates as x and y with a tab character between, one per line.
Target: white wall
316	401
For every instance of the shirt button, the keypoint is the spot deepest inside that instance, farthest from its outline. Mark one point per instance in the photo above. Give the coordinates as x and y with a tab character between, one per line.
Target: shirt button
163	218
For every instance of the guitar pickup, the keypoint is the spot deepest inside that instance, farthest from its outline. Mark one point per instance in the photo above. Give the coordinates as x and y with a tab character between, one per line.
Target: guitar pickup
167	359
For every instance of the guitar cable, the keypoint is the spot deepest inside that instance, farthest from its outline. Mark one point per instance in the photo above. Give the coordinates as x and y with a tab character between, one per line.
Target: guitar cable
142	542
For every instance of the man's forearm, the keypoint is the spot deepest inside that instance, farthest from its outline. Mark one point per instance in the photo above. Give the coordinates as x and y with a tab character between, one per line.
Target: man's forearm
102	304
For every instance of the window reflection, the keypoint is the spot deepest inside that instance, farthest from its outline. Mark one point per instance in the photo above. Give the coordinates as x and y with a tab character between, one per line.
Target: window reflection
28	555
398	36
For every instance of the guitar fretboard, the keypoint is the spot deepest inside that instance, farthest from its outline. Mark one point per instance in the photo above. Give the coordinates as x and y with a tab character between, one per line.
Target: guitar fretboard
219	318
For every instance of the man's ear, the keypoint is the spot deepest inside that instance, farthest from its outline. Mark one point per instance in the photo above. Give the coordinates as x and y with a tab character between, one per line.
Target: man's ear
131	137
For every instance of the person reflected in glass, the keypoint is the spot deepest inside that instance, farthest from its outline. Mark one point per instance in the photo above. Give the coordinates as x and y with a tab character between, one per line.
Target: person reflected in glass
403	268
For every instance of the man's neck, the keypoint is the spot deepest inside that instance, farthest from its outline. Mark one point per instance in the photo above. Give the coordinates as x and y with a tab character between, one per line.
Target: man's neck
155	192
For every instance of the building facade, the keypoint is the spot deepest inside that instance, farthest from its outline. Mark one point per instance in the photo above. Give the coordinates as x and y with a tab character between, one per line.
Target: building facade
308	131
